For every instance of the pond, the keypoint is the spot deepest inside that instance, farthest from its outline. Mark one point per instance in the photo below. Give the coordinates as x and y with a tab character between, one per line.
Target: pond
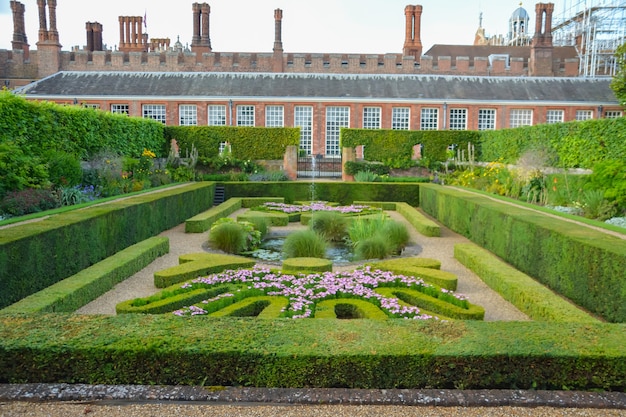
272	247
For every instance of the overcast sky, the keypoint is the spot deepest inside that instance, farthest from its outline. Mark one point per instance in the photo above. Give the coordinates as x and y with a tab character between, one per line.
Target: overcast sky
348	26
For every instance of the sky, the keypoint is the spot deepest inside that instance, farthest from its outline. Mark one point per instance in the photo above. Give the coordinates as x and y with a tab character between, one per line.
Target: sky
315	26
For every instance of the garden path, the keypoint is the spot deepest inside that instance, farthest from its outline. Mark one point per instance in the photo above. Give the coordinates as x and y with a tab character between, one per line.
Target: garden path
441	248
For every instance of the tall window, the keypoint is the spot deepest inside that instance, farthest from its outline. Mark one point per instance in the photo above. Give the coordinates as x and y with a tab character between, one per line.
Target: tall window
245	115
520	117
613	114
430	119
584	114
486	119
274	116
554	116
154	111
303	118
120	109
400	117
371	118
187	115
217	115
458	119
336	118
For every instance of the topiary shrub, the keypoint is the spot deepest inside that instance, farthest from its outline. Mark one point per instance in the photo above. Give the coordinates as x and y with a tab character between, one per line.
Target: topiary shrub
303	244
331	225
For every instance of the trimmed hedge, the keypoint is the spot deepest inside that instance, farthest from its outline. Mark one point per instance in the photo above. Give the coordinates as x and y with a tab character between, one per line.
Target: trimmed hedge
90	283
169	300
35	255
532	298
197	264
395	147
342	193
434	305
572	144
270	307
411	267
273	218
421	223
585	265
202	222
170	350
357	309
251	143
302	265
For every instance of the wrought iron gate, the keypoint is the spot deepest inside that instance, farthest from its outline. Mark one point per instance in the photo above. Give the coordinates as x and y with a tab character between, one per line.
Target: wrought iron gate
319	166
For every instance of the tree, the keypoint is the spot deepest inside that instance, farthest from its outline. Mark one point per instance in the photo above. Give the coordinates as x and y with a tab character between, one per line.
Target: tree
618	85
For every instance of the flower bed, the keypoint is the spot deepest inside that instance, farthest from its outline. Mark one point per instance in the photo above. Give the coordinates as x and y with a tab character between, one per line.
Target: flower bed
304	291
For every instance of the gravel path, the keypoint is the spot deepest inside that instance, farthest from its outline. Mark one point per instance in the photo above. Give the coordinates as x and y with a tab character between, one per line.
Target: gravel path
441	248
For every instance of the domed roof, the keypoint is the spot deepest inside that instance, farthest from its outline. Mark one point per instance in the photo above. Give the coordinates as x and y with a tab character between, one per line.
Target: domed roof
520	14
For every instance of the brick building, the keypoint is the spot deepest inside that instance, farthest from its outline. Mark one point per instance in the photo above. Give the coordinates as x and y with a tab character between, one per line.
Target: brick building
450	87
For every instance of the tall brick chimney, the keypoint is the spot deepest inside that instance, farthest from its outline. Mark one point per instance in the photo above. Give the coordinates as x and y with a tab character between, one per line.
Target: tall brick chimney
19	32
541	48
201	40
48	46
413	40
132	38
277	64
94	36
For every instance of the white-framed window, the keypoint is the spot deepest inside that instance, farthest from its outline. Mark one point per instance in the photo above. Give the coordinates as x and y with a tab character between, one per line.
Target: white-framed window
336	118
458	119
120	109
429	119
400	118
245	115
486	119
584	115
303	118
520	117
154	111
371	117
555	116
188	114
274	116
613	114
217	115
91	106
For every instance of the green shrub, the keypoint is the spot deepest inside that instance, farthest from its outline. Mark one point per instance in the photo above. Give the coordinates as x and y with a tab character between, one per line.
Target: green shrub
362	228
304	244
365	176
19	169
354	167
19	203
610	176
64	170
329	224
396	234
261	224
375	247
228	237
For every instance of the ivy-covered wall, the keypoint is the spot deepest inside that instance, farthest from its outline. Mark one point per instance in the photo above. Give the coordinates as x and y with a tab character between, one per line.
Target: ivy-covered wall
252	143
395	147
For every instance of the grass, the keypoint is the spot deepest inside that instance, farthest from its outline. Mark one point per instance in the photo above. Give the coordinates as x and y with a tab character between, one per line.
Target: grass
333	226
303	244
228	237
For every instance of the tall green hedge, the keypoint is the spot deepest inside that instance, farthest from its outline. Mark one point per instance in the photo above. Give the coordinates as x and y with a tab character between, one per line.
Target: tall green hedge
580	263
170	350
334	191
571	145
36	255
395	147
41	126
252	143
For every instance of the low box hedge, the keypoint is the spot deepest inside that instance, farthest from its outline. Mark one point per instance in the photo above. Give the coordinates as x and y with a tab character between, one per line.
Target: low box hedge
202	222
348	309
168	300
201	264
274	219
421	223
434	305
302	265
430	272
36	255
170	350
90	283
583	264
525	293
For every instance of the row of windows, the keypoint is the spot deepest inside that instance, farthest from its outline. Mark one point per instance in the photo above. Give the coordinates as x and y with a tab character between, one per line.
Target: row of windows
400	118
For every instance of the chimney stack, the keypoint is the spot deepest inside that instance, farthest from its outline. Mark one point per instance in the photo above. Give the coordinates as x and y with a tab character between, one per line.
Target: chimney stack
201	40
413	40
541	47
19	32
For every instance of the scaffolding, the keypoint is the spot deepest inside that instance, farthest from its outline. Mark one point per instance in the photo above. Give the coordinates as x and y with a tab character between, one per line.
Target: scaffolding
596	28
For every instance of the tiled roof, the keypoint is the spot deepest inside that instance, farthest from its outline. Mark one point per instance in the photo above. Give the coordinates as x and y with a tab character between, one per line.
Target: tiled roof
201	86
